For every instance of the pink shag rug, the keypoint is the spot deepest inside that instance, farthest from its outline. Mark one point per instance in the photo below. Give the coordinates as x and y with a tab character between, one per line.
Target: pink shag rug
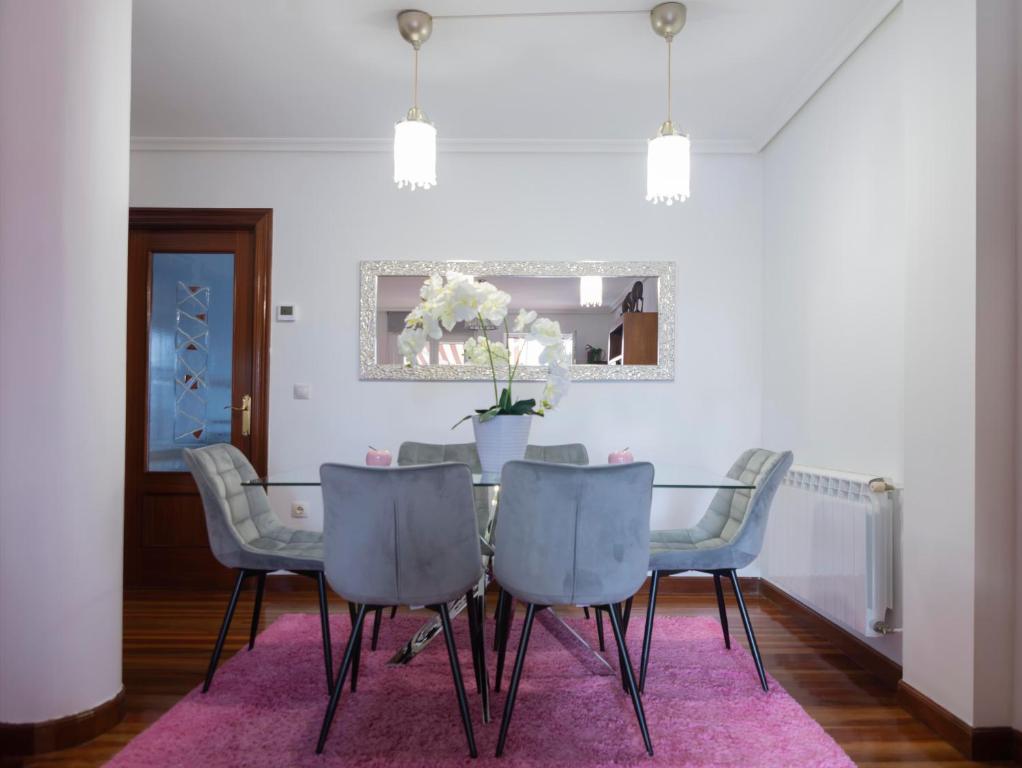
703	705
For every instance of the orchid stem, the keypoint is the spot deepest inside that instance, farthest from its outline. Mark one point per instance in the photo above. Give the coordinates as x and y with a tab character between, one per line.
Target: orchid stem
518	356
510	369
493	370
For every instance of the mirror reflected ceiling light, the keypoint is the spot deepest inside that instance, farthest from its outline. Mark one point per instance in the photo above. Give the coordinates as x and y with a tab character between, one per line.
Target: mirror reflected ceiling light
590	291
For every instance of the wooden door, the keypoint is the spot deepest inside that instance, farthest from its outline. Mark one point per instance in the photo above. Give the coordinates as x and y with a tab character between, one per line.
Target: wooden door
197	344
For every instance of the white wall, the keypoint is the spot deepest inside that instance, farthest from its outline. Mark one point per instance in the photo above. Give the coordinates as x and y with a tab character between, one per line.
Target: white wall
65	80
890	312
834	269
996	359
332	210
940	404
834	275
1017	697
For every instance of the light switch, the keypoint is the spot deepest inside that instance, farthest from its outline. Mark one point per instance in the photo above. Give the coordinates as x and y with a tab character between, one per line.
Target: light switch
302	392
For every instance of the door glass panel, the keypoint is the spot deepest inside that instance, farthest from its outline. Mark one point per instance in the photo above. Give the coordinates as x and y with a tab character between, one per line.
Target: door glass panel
191	334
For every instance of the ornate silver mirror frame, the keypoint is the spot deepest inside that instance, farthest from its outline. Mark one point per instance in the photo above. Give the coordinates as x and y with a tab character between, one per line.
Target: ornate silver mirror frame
370	369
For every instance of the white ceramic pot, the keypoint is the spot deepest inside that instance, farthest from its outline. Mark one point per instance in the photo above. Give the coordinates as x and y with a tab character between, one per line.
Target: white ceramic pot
500	440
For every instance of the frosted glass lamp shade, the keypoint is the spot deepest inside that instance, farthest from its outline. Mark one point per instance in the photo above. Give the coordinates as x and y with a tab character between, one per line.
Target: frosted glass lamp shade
414	154
590	291
667	169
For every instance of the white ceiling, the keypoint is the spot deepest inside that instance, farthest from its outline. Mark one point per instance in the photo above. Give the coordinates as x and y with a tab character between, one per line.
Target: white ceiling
338	69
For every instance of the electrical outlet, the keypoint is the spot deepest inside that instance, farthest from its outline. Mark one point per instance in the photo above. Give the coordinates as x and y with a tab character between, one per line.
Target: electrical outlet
298	509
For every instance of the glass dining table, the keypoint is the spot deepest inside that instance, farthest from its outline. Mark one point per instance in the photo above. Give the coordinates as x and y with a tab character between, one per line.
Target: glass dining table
666	475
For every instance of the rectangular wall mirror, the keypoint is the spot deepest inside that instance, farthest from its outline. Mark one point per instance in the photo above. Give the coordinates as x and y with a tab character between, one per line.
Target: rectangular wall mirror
617	318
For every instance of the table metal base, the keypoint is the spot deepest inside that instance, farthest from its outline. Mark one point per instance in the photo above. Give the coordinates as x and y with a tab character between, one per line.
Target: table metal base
557	626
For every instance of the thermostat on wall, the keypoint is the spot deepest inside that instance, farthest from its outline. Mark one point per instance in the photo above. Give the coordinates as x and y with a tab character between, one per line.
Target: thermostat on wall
286	313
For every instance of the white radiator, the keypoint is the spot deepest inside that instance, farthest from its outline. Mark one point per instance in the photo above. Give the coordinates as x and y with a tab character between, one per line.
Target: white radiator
830	544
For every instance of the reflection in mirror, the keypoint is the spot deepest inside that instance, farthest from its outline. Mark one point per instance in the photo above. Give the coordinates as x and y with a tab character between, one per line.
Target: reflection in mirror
618	318
604	320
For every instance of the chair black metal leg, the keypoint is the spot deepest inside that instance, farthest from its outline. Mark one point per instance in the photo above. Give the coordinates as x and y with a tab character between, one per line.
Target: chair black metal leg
484	675
459	685
503	630
476	620
509	614
324	621
224	626
353	609
393	611
516	676
748	629
338	688
476	610
723	610
619	635
496	617
260	585
599	627
473	635
647	637
357	660
627	614
585	611
377	617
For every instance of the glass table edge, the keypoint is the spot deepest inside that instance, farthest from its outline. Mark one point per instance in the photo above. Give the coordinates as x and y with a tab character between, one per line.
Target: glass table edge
271	483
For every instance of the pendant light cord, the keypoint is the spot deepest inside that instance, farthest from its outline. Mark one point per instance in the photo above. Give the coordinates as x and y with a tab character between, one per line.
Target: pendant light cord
668	79
415	81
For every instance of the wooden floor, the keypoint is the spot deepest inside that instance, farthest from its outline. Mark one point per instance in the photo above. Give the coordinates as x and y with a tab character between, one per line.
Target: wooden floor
168	636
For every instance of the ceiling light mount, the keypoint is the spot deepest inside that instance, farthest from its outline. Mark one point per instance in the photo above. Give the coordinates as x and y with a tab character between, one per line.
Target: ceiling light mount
415	27
668	19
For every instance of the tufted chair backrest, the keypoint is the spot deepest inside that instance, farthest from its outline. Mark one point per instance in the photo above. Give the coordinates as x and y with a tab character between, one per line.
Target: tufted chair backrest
236	514
571	453
412	454
739	517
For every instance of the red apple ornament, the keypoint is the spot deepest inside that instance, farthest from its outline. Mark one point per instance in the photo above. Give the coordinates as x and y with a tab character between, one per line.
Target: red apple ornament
377	457
624	456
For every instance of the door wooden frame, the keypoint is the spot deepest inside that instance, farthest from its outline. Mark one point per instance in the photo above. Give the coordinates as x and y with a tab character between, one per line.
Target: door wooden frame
258	223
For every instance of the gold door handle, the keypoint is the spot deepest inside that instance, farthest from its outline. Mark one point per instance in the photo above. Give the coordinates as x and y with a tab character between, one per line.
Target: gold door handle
246	414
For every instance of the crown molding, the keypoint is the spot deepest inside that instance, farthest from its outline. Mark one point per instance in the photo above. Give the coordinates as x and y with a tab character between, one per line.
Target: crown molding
469	146
787	107
830	60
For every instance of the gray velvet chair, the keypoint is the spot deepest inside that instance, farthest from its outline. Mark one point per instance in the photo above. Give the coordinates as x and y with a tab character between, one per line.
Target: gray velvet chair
728	537
245	534
402	536
570	535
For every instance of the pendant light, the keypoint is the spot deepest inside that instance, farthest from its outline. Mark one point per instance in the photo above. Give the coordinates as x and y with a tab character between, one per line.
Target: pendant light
590	291
415	136
667	159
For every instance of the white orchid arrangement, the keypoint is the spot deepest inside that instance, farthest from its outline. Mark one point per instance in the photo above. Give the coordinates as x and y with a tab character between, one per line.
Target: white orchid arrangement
462	298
